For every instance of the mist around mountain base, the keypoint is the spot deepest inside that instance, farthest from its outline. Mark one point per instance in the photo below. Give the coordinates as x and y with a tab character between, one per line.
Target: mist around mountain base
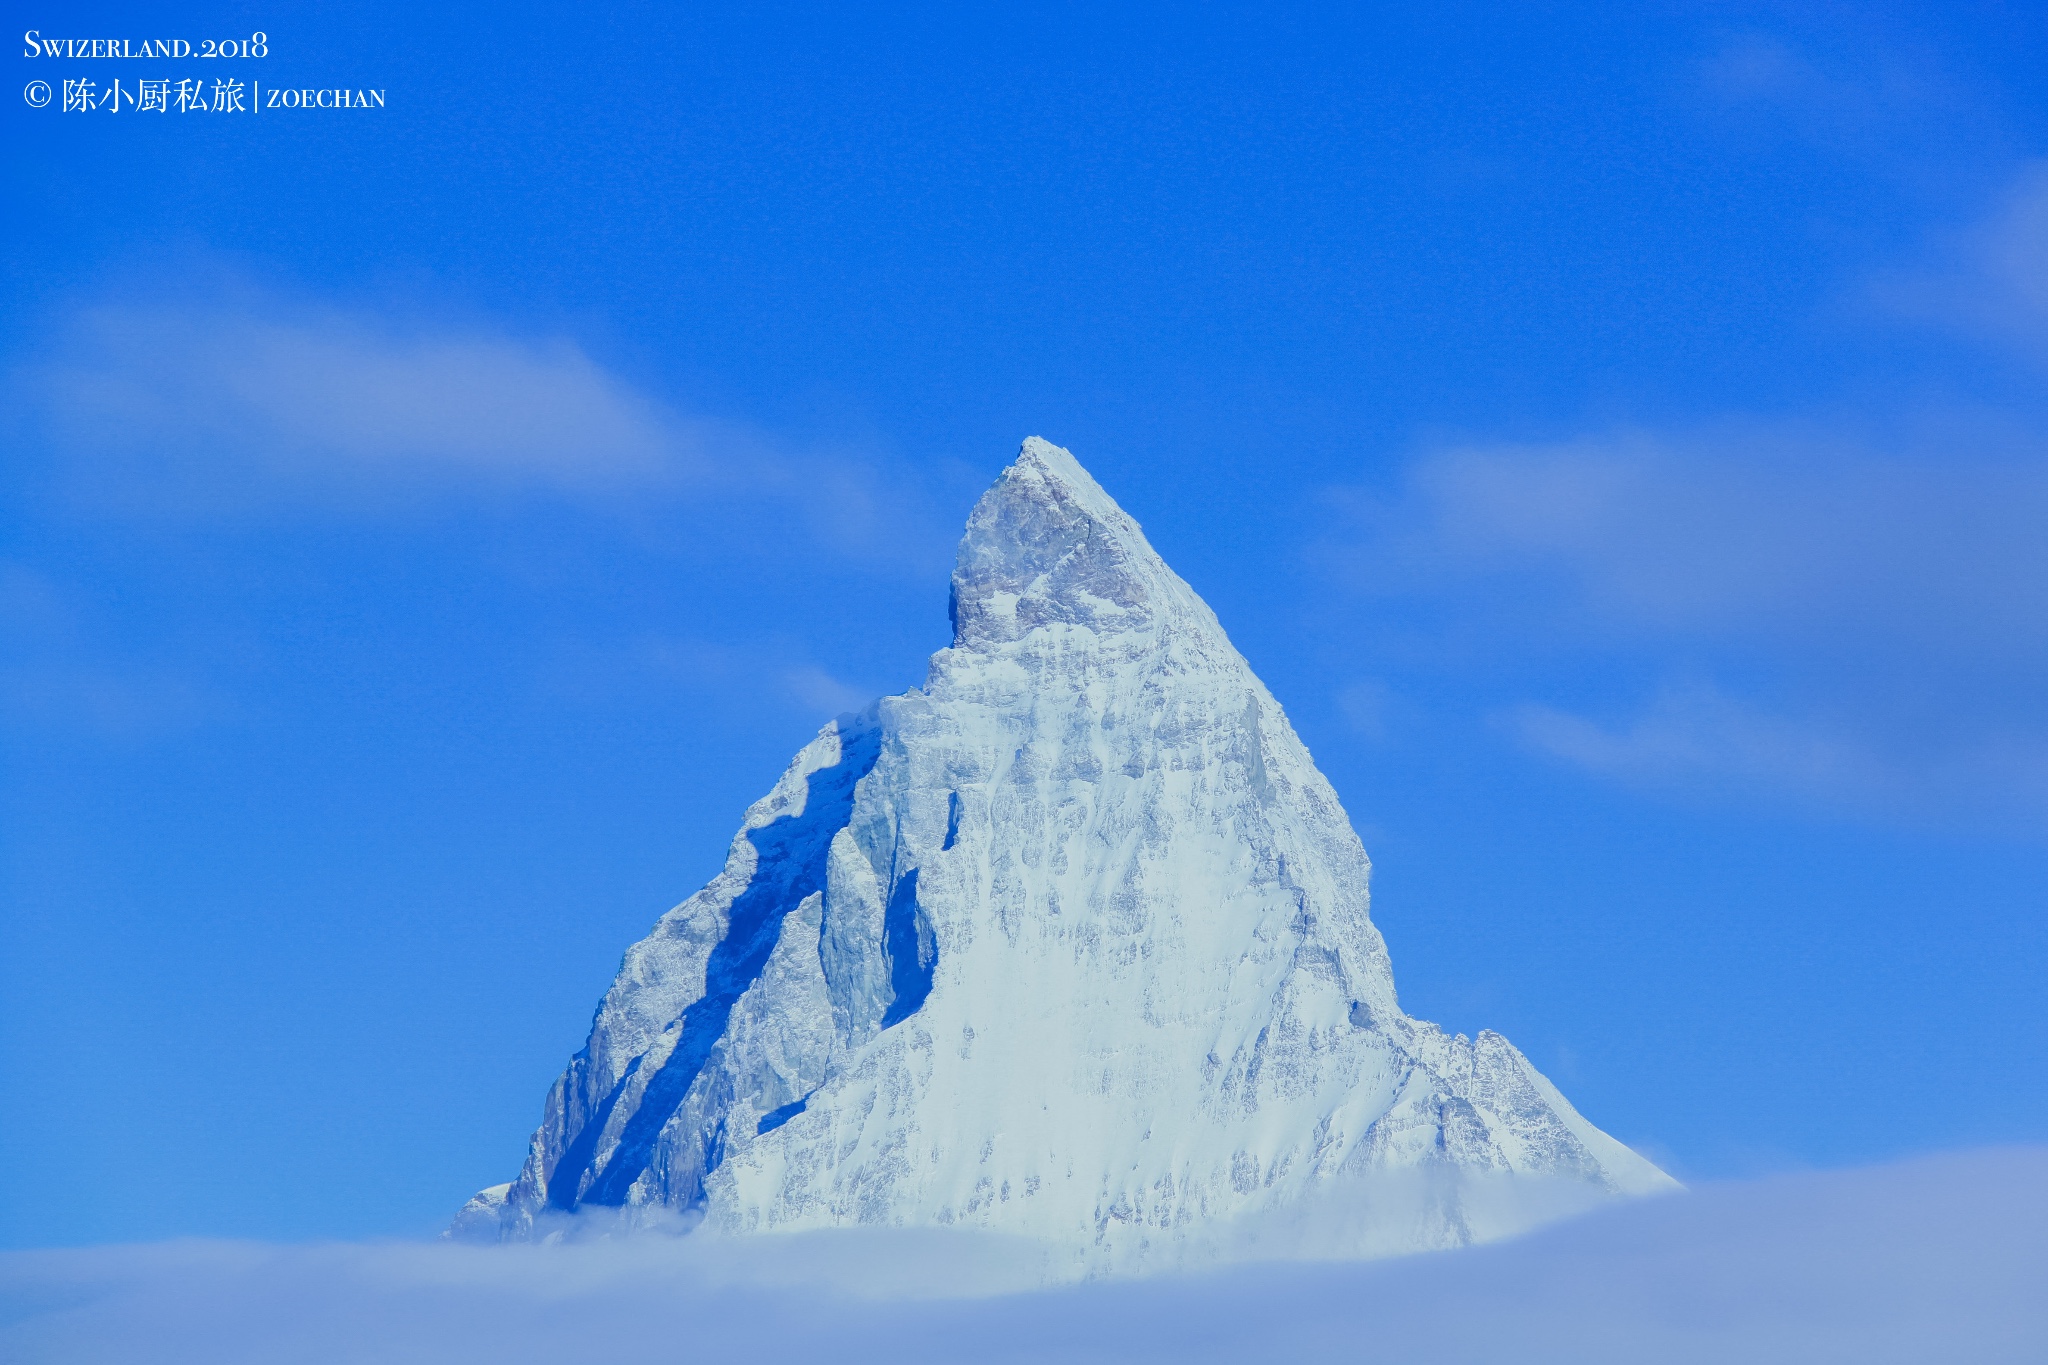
1932	1260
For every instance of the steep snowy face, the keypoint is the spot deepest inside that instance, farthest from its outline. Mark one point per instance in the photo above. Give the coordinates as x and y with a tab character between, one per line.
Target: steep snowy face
1073	942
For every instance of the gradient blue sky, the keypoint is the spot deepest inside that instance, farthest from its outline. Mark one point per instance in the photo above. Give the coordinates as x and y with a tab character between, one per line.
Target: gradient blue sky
1617	434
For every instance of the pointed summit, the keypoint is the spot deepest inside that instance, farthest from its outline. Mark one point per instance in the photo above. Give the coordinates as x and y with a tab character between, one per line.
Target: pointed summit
1046	544
1057	464
1072	943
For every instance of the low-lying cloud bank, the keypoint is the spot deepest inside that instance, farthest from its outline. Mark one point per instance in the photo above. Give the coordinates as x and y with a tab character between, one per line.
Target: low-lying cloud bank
1940	1259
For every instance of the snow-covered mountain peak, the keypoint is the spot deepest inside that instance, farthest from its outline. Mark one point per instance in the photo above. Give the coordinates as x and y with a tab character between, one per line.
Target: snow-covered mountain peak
1046	544
1073	942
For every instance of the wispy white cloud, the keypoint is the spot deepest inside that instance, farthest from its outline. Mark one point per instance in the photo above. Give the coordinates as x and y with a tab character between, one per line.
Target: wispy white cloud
813	687
1989	279
772	671
1749	529
175	417
77	698
1932	1260
1871	619
1758	68
222	405
1690	735
261	403
1869	90
1850	607
1364	703
54	679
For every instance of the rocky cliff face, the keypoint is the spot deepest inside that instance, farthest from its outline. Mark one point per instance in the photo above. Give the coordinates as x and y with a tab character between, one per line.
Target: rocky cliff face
1072	943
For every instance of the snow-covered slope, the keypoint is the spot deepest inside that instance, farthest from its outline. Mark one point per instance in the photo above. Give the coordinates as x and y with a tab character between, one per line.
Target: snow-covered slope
1071	943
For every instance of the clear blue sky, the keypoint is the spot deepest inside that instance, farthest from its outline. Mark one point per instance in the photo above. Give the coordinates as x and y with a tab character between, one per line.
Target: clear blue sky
1618	437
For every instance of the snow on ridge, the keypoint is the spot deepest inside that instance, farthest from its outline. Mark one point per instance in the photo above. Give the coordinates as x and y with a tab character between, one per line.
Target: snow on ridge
1074	943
